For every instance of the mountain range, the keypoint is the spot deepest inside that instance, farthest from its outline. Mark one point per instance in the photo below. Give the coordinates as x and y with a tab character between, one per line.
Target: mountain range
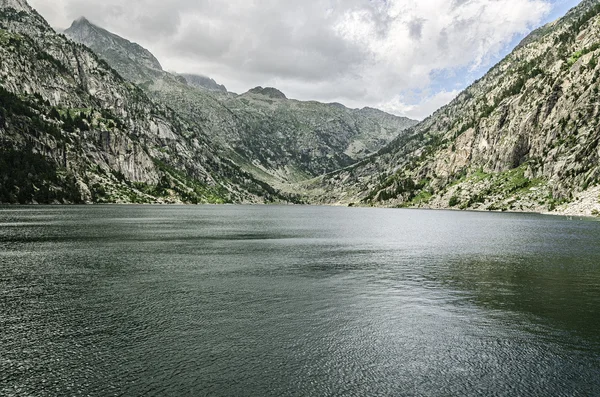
274	138
89	116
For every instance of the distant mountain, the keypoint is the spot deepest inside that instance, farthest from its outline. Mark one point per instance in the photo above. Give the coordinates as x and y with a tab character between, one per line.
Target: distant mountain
203	82
300	140
73	130
525	137
276	139
268	92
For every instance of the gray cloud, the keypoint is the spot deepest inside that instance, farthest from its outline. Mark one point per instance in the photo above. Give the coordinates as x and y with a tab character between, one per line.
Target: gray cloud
415	28
358	52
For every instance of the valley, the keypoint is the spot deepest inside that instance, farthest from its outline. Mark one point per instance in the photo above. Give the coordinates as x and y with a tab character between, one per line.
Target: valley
112	126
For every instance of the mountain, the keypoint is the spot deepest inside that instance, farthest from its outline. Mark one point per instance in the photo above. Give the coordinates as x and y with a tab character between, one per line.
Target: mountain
132	60
203	82
73	130
276	139
269	92
525	137
296	140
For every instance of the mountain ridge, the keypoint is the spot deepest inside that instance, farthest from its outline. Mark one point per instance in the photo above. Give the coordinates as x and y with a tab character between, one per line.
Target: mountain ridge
278	140
82	27
200	81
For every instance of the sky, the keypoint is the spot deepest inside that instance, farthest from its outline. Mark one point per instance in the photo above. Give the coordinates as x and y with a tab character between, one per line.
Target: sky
405	57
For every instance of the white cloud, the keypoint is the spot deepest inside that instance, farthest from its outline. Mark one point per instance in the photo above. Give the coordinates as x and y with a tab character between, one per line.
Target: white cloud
357	52
418	111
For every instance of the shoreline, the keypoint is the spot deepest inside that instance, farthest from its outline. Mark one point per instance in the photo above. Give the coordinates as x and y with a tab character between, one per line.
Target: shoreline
566	212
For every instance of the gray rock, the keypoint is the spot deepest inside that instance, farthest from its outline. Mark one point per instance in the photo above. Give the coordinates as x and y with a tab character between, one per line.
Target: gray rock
130	59
268	92
203	82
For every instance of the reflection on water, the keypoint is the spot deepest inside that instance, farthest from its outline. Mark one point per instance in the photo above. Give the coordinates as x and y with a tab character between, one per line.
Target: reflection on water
273	301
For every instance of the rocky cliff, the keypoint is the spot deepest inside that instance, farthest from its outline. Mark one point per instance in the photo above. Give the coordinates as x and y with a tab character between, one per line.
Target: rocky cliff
524	137
116	48
72	130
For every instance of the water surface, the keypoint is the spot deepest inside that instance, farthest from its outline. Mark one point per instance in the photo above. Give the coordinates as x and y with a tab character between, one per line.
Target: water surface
298	301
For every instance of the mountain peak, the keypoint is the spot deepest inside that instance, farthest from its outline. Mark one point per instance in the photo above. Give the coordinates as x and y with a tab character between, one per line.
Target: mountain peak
269	92
204	82
81	21
109	45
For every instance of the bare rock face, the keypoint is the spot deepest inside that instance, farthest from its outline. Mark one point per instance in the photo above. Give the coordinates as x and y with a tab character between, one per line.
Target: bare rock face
17	5
133	61
524	137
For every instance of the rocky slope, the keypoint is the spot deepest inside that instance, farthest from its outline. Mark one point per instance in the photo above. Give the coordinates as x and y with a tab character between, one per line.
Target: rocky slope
525	137
276	139
131	60
296	140
72	130
203	82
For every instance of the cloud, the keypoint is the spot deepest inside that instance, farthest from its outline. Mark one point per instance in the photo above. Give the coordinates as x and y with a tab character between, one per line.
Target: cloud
358	52
424	107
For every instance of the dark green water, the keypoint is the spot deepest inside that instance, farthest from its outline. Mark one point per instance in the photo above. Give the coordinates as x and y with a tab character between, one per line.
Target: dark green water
298	301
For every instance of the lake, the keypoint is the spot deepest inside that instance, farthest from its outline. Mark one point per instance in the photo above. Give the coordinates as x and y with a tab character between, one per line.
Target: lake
296	301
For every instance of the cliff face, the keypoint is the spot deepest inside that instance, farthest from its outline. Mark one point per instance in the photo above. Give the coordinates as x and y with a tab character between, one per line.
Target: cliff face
72	130
524	137
276	139
131	59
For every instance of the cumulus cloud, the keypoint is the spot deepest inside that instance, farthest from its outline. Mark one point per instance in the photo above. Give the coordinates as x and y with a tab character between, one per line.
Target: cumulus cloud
357	52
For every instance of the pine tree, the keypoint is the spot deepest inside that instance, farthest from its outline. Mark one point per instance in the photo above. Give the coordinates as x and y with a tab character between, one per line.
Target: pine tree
53	114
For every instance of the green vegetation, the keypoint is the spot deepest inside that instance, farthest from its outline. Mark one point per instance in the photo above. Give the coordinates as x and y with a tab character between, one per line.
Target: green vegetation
470	189
189	190
574	58
8	39
27	114
10	14
515	180
554	203
454	201
78	120
27	177
393	187
43	56
530	69
422	198
585	18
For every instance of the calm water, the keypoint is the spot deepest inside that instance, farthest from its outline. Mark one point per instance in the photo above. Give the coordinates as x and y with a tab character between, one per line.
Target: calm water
298	301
